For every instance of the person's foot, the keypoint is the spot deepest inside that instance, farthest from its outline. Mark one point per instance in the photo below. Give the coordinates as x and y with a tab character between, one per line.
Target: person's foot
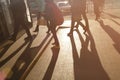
97	19
56	44
48	31
70	33
37	29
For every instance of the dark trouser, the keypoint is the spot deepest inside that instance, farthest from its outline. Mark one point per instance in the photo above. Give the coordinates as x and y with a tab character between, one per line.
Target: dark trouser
83	14
39	15
20	20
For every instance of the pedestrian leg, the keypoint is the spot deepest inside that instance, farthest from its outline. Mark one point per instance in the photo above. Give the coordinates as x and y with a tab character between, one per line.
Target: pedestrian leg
38	23
26	29
72	26
48	26
86	22
53	30
16	29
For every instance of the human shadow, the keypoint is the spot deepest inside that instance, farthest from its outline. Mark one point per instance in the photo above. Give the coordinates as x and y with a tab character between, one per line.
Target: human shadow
15	52
12	54
50	69
5	48
114	35
22	67
113	16
21	64
88	65
115	22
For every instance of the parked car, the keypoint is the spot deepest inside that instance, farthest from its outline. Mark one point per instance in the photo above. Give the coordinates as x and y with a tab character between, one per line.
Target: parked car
64	6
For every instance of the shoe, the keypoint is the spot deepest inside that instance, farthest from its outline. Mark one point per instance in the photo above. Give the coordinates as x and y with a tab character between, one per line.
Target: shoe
70	33
56	45
48	31
37	29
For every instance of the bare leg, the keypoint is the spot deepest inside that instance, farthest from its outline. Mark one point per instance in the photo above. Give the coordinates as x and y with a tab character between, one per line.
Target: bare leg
53	30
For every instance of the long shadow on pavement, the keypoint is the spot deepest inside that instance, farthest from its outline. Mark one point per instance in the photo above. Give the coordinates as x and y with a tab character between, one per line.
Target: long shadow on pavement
19	70
24	63
115	22
113	16
12	54
27	59
5	48
55	51
88	65
115	36
49	72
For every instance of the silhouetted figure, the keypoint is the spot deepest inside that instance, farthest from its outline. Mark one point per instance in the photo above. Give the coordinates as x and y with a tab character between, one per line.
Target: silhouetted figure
19	15
41	13
78	8
98	4
54	17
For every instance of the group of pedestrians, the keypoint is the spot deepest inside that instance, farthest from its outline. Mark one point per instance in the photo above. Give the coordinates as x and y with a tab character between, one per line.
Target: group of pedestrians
46	8
52	15
98	6
78	9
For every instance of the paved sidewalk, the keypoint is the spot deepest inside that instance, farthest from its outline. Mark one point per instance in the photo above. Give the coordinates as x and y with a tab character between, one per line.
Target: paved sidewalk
94	56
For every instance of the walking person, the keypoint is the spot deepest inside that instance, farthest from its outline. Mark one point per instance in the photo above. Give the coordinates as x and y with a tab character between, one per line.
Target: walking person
78	8
41	13
19	15
98	5
55	18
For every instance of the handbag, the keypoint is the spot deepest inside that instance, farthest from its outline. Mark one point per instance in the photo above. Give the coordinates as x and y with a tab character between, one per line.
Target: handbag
53	13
